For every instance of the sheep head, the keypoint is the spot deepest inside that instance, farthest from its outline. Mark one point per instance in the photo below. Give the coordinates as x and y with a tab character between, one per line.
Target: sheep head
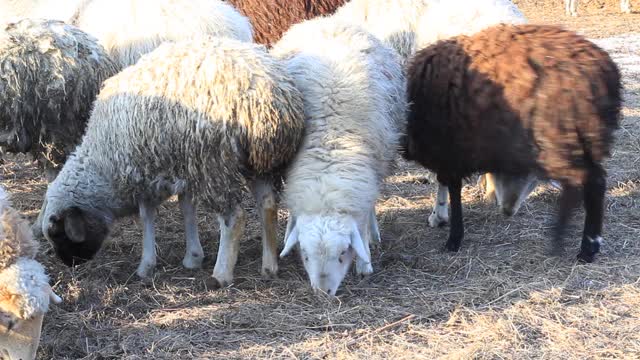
76	234
328	245
510	191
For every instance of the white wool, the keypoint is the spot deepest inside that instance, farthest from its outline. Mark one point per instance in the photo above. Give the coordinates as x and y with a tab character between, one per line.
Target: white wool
27	279
352	88
128	29
394	22
409	25
449	18
15	10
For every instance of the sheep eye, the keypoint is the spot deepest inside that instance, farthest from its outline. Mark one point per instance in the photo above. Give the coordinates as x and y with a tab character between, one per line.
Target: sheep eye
306	258
343	253
340	260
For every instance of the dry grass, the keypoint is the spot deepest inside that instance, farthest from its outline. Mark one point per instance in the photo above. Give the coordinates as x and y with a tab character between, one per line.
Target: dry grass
499	297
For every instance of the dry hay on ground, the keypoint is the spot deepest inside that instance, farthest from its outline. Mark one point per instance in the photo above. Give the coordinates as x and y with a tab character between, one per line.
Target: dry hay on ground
500	297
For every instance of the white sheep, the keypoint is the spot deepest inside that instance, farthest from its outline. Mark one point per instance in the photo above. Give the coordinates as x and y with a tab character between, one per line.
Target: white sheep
203	119
571	7
25	293
129	29
354	102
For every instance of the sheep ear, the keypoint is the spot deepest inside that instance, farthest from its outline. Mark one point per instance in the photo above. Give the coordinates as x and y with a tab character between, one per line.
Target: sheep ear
358	244
290	241
74	225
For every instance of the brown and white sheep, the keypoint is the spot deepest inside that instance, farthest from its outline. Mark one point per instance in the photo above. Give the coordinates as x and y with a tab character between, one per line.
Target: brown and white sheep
517	100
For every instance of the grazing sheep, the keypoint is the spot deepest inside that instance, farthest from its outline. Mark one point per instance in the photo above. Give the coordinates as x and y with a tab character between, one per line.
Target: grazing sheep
517	100
203	119
271	18
129	29
354	102
25	293
571	7
51	73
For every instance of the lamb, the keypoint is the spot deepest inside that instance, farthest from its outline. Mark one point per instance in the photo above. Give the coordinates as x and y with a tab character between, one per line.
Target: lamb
50	76
203	119
129	29
571	7
517	100
354	103
25	293
271	18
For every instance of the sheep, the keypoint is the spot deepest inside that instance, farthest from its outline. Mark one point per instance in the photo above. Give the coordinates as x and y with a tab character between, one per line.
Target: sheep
517	100
25	293
50	76
271	18
128	29
354	101
571	7
203	119
409	25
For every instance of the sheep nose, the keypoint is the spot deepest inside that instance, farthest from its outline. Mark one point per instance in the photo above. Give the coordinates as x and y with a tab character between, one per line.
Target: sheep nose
507	211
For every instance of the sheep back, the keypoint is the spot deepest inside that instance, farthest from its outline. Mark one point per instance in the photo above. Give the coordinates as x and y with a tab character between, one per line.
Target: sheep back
206	114
271	18
129	29
51	73
513	98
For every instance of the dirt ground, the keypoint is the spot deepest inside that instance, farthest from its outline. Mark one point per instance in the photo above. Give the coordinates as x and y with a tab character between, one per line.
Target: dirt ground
499	297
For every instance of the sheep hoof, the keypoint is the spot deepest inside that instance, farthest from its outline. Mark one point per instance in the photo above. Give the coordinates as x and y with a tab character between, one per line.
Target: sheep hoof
453	246
193	262
145	271
437	221
590	247
364	269
214	284
269	274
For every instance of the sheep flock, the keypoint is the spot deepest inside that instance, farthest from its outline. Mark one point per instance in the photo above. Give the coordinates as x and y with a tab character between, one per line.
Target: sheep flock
306	108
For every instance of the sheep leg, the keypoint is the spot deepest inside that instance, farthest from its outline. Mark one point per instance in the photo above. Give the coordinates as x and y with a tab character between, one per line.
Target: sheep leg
440	214
148	260
193	254
568	200
625	6
594	190
374	228
268	208
456	231
365	268
571	7
231	231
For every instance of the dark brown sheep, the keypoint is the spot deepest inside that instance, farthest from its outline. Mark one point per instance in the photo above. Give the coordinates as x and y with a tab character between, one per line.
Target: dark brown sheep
271	18
517	100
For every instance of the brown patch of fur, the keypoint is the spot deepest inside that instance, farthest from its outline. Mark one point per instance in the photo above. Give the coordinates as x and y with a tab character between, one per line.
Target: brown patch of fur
272	18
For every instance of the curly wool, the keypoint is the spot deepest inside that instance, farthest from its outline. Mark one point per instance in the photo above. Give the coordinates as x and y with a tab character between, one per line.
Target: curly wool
51	73
203	116
353	90
24	289
271	18
498	101
129	29
15	236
